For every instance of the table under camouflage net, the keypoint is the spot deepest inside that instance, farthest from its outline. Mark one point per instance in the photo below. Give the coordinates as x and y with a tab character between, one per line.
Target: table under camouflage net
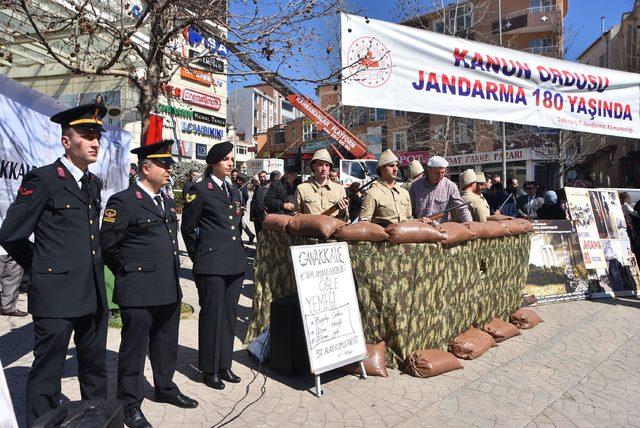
412	296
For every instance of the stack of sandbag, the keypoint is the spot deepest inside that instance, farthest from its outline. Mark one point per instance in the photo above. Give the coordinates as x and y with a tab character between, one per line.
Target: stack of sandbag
431	362
413	231
471	344
276	222
525	319
500	330
363	231
314	225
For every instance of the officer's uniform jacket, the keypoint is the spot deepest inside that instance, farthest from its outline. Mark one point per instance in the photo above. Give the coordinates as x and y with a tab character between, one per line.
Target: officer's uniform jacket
212	231
385	205
67	270
141	248
312	198
478	205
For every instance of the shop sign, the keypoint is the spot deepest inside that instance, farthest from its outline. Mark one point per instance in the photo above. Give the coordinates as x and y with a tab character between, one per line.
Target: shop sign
406	158
312	146
489	157
197	76
207	118
175	111
209	63
201	151
203	130
201	99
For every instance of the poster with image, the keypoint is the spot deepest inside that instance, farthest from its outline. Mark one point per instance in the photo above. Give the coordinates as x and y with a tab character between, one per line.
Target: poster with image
556	268
590	225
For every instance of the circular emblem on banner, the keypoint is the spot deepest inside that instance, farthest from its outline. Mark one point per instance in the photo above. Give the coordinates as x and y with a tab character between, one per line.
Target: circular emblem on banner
369	62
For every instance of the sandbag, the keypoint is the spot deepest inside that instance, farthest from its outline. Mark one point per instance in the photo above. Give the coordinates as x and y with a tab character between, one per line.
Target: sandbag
457	232
515	228
431	362
526	224
496	229
413	232
363	231
480	229
500	330
525	319
314	225
471	344
375	364
277	222
498	217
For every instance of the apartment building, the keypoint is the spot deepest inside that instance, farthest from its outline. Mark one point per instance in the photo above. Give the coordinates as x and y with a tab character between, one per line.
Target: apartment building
254	109
193	104
534	26
617	162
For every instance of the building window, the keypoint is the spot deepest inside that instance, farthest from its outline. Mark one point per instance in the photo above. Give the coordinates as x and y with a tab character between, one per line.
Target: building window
460	18
399	113
400	141
360	116
464	131
377	114
538	6
280	136
541	46
438	133
241	150
438	26
287	106
309	131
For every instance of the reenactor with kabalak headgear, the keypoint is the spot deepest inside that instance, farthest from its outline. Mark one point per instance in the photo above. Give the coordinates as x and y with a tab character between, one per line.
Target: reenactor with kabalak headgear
319	193
386	201
140	242
60	205
478	205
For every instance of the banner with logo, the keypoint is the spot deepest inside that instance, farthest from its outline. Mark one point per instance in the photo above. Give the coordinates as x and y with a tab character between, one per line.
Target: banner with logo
556	267
28	140
397	67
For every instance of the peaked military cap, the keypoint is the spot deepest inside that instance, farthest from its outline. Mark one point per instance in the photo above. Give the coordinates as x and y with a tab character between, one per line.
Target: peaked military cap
85	115
160	151
217	152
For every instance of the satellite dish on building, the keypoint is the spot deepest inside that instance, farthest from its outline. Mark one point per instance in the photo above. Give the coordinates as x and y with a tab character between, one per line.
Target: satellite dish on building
114	111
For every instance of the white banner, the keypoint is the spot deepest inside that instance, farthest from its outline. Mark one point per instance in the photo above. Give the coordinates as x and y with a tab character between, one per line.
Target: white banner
28	140
398	67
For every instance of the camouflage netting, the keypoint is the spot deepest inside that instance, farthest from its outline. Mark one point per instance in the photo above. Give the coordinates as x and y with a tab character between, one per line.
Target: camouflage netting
413	296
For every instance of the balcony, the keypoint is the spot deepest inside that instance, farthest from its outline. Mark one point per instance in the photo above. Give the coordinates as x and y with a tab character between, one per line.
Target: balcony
530	20
550	51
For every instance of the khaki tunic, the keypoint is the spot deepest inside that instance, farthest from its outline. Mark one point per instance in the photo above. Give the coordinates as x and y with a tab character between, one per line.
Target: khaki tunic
478	205
312	198
385	205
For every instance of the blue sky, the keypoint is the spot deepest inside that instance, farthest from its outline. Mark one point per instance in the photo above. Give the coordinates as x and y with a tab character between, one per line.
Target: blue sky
582	22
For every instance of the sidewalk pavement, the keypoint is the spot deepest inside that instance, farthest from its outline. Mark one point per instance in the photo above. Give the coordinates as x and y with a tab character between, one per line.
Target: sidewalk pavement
581	367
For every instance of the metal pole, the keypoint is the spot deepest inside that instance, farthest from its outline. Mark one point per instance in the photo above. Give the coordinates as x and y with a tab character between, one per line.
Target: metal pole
504	134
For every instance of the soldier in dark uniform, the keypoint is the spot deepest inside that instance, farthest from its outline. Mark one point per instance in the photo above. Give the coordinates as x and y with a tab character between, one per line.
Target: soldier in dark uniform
60	204
139	238
219	262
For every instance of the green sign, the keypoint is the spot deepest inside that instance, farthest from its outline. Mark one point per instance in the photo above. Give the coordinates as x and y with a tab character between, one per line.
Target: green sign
175	111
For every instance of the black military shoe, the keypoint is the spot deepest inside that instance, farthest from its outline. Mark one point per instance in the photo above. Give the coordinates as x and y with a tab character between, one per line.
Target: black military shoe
229	376
212	380
178	400
134	418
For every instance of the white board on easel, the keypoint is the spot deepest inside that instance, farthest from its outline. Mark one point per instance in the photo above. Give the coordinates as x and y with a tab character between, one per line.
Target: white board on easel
329	306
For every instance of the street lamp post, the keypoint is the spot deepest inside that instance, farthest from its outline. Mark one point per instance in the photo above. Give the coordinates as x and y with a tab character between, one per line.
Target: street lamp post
504	136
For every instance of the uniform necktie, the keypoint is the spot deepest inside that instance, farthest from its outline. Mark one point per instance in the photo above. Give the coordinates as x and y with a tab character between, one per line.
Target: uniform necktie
158	200
84	186
227	189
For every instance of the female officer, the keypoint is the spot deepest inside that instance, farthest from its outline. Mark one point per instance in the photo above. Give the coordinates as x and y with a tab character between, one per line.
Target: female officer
386	202
212	234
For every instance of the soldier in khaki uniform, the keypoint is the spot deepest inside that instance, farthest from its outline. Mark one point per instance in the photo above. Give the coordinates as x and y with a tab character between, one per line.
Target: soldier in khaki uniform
319	193
386	202
416	171
478	206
